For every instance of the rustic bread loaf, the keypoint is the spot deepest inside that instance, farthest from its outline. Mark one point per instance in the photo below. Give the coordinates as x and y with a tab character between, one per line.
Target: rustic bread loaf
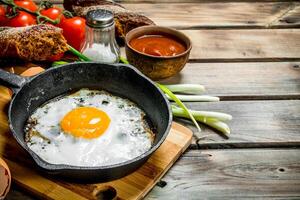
32	43
125	20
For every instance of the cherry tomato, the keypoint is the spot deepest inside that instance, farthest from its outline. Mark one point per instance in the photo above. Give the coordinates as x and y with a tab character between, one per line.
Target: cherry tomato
56	57
22	19
54	13
74	31
3	18
28	4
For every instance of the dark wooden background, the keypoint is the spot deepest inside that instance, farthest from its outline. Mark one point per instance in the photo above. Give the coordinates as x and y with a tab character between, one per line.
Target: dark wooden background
248	53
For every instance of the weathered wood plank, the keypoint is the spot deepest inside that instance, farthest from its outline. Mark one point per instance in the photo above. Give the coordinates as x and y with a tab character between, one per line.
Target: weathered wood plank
233	174
217	15
244	45
186	15
254	124
291	17
236	81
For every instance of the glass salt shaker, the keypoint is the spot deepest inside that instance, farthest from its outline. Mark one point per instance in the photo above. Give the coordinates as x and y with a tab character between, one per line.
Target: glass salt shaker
100	43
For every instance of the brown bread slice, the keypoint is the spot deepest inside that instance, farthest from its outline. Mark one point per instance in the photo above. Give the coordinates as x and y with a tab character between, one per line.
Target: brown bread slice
32	43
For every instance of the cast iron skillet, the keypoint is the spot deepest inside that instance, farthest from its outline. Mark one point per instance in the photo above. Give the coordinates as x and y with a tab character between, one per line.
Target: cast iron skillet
119	79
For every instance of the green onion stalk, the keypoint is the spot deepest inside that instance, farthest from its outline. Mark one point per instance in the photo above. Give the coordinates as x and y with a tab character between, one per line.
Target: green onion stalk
123	60
185	110
195	98
212	119
58	63
186	88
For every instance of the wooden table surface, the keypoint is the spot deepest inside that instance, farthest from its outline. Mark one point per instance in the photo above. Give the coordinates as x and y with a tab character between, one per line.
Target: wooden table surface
248	53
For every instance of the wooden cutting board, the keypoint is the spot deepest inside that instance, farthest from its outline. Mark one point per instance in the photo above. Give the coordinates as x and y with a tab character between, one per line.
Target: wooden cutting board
133	186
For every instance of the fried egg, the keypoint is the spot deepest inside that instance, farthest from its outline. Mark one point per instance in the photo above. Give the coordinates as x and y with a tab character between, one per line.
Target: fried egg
88	128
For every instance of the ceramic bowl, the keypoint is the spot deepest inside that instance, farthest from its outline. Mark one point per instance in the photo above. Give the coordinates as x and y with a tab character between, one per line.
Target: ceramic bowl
157	67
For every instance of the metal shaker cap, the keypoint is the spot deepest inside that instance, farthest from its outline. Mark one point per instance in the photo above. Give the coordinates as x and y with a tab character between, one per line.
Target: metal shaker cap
99	18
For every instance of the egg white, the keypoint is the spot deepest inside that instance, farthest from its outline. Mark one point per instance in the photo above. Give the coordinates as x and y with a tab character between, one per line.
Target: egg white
127	136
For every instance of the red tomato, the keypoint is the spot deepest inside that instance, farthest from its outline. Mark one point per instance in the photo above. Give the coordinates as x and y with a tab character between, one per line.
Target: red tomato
56	57
54	13
22	19
28	4
74	31
3	18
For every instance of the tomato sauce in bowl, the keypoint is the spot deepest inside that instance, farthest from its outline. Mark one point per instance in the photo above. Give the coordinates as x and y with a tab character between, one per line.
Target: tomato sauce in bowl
157	45
158	52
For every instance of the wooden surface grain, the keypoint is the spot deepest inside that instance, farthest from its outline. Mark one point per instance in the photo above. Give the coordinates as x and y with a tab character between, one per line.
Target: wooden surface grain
233	174
244	81
290	18
220	15
244	45
195	14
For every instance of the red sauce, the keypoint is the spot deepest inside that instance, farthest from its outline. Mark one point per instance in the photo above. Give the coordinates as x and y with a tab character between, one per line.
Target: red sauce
157	45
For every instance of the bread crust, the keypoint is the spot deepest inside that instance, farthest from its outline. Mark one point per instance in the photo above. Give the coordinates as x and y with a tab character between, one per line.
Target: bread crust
32	43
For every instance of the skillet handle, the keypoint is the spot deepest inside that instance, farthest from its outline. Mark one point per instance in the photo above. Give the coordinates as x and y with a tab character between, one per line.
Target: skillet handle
13	81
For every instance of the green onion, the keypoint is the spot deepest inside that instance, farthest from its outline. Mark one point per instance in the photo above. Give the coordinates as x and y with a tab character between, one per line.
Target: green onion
204	114
212	122
198	98
220	126
179	103
57	63
123	60
186	88
80	55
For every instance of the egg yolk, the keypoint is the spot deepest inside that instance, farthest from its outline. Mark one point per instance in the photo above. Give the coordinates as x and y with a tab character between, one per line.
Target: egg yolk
85	122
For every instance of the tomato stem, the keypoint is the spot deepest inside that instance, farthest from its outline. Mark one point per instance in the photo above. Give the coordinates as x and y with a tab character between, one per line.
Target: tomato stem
37	13
67	14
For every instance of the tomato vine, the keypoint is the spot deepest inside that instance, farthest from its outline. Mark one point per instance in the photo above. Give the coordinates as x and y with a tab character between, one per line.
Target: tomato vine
41	19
